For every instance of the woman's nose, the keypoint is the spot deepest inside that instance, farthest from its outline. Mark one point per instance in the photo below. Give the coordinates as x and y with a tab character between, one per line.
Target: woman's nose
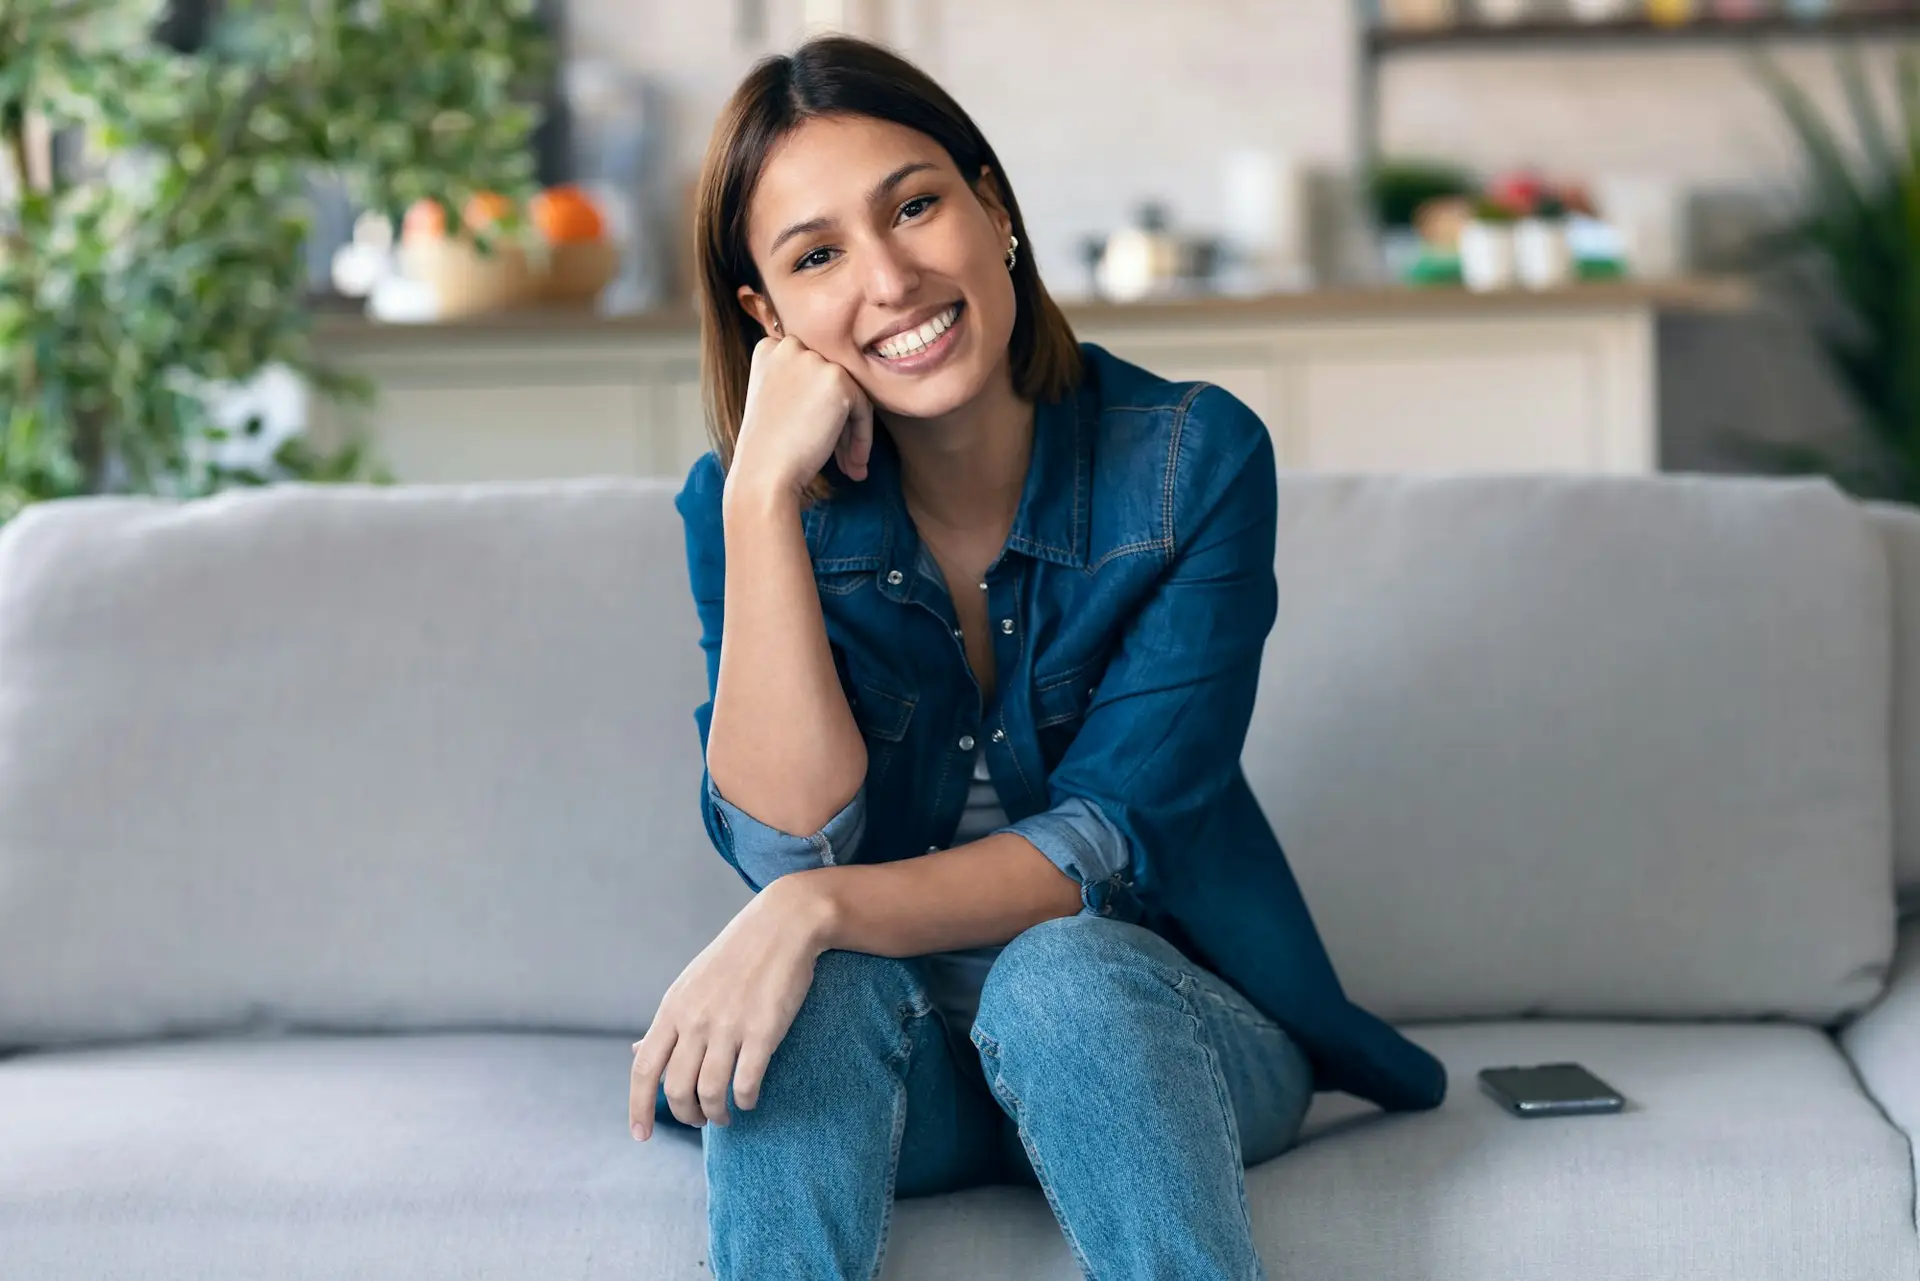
891	274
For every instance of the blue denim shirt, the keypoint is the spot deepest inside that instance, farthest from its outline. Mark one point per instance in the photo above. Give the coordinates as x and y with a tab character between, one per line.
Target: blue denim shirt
1128	614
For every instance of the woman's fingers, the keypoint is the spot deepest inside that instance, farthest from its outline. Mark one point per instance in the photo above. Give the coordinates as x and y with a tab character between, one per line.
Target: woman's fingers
755	1053
716	1073
650	1056
683	1080
843	451
859	434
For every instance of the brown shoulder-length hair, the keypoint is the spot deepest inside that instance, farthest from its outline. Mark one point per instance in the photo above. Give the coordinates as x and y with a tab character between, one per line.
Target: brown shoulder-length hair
840	76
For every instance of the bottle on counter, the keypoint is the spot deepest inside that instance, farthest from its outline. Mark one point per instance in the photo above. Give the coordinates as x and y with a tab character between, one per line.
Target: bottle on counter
1672	13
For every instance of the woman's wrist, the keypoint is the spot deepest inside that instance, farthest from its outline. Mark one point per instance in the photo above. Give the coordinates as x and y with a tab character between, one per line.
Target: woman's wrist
807	899
747	495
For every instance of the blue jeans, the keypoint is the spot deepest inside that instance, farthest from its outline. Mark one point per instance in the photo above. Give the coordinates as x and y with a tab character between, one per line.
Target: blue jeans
1129	1084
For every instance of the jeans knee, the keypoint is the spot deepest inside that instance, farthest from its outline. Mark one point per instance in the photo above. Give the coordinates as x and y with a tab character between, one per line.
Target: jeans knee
1062	983
855	999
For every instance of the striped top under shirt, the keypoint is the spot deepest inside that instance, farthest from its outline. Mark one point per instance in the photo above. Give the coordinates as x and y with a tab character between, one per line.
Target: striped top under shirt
954	979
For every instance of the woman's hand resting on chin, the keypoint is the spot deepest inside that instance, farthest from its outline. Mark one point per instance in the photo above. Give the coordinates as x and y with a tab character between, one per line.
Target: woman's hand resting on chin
801	410
720	1022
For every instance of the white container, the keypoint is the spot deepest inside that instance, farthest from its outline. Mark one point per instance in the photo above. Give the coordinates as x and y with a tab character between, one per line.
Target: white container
1542	257
1264	218
1486	256
1599	10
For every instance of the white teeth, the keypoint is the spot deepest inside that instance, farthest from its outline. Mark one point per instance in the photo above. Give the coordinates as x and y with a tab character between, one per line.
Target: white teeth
914	339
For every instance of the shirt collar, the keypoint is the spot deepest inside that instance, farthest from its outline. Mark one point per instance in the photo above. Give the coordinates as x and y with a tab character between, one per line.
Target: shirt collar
865	525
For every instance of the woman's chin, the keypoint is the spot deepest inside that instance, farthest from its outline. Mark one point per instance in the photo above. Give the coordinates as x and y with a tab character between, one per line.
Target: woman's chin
933	396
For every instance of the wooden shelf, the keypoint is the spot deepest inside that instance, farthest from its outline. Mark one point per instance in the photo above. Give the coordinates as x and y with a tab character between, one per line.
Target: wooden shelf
1567	34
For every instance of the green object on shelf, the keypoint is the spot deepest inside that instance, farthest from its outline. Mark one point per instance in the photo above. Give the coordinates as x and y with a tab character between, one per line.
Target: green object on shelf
1399	187
1434	269
1599	269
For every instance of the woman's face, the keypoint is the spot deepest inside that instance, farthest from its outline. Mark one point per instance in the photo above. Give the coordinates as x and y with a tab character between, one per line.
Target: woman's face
876	253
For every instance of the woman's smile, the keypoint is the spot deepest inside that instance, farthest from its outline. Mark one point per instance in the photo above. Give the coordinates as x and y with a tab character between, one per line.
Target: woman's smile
922	347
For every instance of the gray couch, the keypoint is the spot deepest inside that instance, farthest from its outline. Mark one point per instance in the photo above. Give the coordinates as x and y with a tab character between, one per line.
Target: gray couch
348	837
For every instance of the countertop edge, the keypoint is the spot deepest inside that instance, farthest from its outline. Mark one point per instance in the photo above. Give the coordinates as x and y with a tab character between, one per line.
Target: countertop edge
1695	295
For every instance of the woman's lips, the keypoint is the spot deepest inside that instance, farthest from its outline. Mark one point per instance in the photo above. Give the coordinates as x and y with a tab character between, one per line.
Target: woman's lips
928	356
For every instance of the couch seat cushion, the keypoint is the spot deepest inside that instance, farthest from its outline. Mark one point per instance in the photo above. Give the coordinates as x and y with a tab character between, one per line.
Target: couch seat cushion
1749	1154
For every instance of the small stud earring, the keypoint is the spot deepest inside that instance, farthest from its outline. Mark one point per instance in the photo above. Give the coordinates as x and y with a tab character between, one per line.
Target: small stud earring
1013	244
777	329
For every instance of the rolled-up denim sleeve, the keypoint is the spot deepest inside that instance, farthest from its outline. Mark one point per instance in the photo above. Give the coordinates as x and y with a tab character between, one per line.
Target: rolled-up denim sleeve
758	852
1080	840
1159	748
763	854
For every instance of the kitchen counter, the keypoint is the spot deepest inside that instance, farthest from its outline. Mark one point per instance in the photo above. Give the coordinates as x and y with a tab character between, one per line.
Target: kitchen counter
343	330
1358	380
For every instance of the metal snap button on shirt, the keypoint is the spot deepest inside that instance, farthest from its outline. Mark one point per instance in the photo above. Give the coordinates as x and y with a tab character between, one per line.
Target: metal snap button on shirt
999	736
1006	625
966	742
895	577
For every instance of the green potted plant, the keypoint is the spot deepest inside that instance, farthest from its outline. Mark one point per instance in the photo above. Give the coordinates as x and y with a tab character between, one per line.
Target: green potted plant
158	258
1397	190
1851	258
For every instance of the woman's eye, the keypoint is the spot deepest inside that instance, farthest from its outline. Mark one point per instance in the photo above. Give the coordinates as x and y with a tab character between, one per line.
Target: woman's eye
917	206
813	258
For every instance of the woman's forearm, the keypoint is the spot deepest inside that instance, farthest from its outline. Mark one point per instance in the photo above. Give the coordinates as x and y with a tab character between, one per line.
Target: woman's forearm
782	745
973	895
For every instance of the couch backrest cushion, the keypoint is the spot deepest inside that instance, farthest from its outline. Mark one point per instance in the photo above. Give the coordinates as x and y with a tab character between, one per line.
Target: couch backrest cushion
356	757
1589	746
1900	527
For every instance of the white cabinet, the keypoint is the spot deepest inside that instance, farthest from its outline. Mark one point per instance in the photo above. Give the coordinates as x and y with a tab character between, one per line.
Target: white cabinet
498	402
1351	383
1424	393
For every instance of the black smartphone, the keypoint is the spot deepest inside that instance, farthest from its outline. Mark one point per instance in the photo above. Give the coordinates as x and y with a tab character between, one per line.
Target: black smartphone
1550	1089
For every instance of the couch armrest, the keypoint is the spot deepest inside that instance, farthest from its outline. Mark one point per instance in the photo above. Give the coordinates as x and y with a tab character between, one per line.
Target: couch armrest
1884	1044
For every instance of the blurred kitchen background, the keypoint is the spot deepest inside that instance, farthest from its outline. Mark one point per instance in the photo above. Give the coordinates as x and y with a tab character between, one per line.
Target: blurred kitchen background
1617	235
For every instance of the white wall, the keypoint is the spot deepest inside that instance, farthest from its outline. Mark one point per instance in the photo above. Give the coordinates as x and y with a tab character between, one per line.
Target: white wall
1095	105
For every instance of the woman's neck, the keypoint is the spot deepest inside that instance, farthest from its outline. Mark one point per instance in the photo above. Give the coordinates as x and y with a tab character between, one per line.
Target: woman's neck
964	472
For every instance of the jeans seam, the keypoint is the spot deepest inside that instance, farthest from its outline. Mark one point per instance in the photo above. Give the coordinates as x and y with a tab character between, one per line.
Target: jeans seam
1184	989
896	1065
991	1049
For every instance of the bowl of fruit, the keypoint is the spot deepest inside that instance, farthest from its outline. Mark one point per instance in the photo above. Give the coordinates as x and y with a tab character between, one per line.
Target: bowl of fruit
580	258
559	255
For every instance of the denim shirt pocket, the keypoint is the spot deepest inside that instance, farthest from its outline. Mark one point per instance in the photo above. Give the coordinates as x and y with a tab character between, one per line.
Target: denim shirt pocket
1059	706
883	718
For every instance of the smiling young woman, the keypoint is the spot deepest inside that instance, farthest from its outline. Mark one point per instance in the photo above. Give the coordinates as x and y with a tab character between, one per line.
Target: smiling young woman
778	145
983	612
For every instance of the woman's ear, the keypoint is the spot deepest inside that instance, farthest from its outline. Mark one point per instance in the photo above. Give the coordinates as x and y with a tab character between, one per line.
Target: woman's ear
987	189
761	310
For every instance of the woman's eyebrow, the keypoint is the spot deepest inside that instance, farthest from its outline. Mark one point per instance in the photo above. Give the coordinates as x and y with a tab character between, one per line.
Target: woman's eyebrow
880	192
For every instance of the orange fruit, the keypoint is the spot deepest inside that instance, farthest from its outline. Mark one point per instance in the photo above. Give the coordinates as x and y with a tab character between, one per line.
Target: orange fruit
485	208
424	221
567	216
